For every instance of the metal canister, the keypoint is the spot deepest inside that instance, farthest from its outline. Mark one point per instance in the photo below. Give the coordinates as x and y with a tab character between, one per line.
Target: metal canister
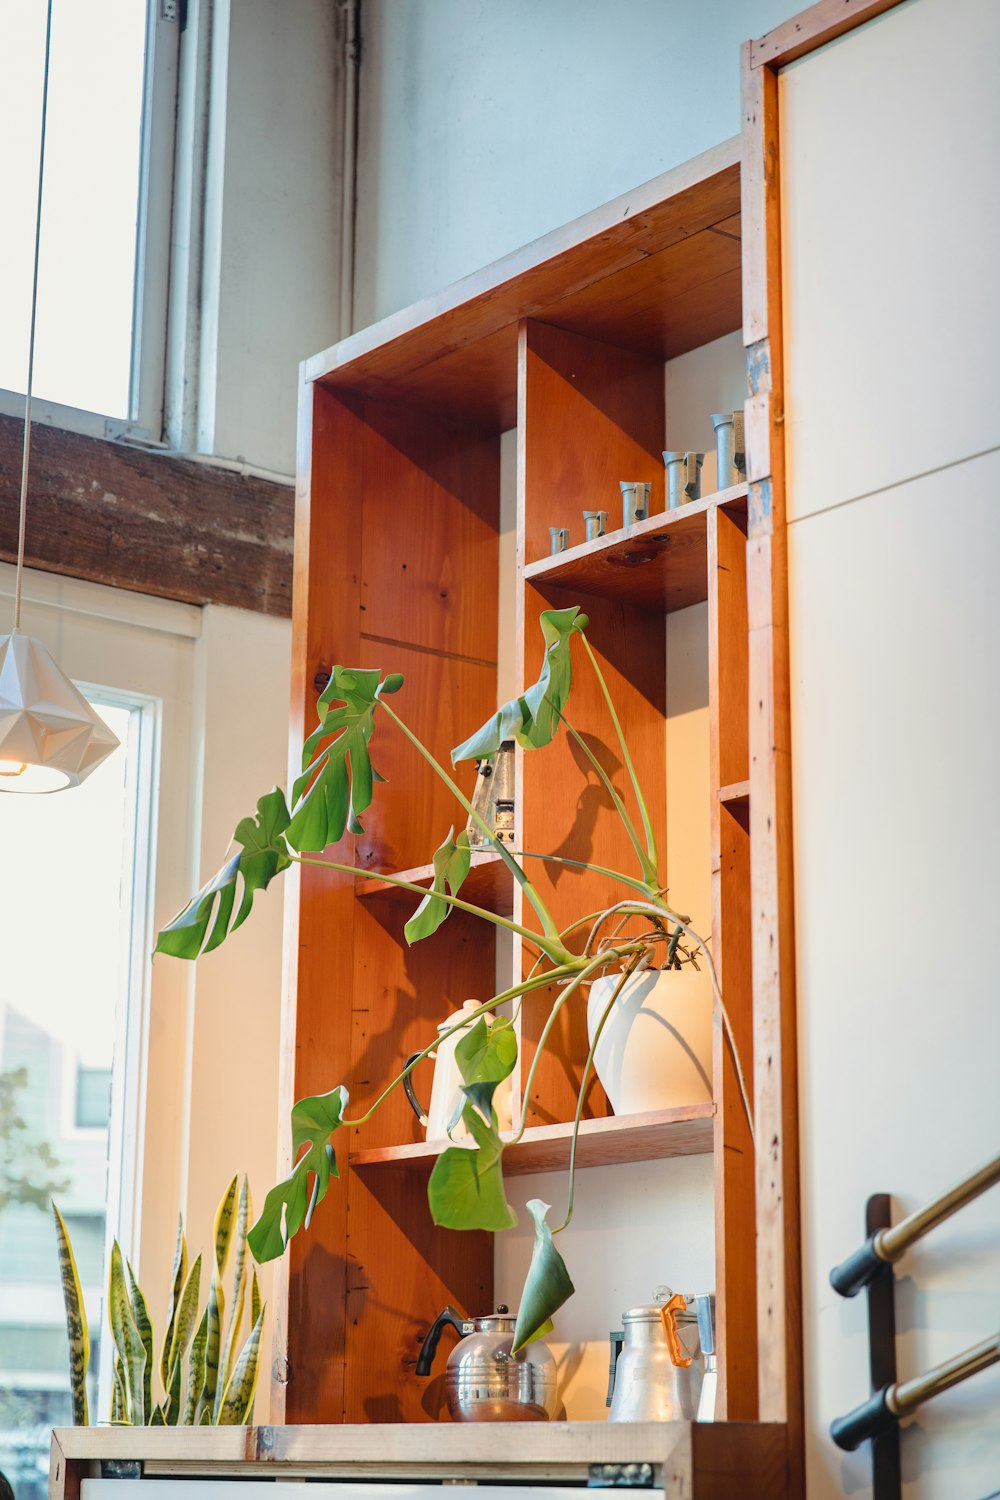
656	1378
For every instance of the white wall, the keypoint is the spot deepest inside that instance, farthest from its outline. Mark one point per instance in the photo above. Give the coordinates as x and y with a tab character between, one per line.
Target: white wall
890	242
485	123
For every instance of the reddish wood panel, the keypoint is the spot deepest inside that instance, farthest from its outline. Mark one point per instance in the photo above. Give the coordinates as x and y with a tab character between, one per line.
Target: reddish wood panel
735	1211
659	564
601	1143
590	416
429	518
155	523
372	1271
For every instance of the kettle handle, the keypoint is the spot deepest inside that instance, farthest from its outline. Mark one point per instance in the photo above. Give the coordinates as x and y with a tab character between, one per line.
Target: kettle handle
410	1091
428	1348
668	1314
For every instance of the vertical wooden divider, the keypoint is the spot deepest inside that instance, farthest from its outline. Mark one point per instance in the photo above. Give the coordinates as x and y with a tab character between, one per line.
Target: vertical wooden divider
396	568
736	1287
589	415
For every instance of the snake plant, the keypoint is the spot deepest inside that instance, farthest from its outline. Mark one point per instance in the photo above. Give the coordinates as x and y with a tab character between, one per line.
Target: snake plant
328	800
220	1384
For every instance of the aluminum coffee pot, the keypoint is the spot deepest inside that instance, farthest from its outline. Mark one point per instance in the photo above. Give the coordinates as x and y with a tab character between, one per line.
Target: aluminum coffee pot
484	1382
654	1376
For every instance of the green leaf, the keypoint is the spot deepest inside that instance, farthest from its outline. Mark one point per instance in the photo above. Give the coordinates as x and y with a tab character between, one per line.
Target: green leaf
196	1371
140	1313
335	787
76	1322
157	1419
289	1204
222	1229
213	1329
184	1323
466	1188
240	1390
487	1053
533	718
177	1278
239	1295
128	1341
548	1283
264	856
451	865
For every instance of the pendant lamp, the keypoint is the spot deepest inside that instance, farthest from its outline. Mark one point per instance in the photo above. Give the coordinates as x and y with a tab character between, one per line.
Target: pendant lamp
50	737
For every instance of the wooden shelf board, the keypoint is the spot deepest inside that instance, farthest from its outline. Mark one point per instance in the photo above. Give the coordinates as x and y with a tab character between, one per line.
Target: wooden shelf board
736	797
660	563
602	1143
657	270
489	884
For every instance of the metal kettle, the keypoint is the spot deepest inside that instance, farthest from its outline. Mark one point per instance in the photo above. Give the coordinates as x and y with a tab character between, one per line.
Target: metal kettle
484	1382
654	1376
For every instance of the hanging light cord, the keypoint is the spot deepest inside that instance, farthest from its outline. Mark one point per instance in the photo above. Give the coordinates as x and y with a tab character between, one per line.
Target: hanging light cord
31	337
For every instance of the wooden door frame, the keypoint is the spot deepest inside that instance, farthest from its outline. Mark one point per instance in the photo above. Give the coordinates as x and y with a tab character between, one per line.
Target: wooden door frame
779	1258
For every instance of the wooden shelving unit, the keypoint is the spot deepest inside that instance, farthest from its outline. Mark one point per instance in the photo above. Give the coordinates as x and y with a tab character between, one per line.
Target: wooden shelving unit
602	1143
489	884
397	549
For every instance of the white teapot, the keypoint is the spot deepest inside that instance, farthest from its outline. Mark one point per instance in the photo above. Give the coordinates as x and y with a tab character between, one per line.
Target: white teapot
447	1083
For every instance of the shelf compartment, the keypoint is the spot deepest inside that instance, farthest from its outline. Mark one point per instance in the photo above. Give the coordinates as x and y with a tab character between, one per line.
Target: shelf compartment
660	563
489	884
736	798
602	1143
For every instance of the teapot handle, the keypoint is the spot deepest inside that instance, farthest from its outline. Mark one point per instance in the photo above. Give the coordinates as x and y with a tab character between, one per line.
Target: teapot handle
428	1348
410	1091
668	1314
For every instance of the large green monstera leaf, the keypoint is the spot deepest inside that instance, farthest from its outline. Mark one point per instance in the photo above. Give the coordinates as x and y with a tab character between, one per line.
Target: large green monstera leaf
290	1203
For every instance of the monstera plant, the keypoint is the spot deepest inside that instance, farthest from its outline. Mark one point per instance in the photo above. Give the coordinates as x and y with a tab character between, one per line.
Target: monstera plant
337	784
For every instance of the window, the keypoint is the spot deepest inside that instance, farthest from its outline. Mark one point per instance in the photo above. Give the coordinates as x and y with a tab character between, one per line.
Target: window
105	214
72	893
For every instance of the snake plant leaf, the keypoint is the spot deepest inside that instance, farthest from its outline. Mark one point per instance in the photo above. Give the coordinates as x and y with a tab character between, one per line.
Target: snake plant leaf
222	1229
140	1312
177	1278
290	1203
157	1419
533	718
451	865
172	1399
264	855
487	1053
184	1323
118	1393
196	1371
255	1303
239	1394
466	1188
335	787
76	1322
238	1296
128	1341
213	1337
548	1283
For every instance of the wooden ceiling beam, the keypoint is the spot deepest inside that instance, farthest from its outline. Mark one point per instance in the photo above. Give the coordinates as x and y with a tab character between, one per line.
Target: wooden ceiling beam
115	514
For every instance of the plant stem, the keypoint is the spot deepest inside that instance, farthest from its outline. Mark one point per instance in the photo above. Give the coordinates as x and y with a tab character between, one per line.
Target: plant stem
583	1089
542	911
654	858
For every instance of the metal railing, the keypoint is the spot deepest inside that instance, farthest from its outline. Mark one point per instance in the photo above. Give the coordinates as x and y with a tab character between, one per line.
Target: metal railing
871	1266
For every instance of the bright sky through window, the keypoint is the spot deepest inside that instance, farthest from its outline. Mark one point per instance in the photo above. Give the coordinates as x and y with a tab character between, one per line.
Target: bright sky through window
83	345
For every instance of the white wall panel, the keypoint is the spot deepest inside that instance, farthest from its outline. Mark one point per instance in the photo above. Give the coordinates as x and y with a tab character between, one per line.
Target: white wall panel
889	145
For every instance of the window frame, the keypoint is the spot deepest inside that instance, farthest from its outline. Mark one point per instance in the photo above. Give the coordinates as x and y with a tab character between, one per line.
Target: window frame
150	292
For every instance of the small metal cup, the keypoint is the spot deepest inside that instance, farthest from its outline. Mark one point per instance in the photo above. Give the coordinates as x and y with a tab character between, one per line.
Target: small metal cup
559	539
683	477
596	522
635	500
725	454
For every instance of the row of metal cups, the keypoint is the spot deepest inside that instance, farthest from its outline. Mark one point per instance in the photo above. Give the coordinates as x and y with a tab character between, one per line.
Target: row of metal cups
683	481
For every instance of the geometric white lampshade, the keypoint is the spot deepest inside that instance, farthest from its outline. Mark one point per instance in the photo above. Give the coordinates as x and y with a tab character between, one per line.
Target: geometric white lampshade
50	737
